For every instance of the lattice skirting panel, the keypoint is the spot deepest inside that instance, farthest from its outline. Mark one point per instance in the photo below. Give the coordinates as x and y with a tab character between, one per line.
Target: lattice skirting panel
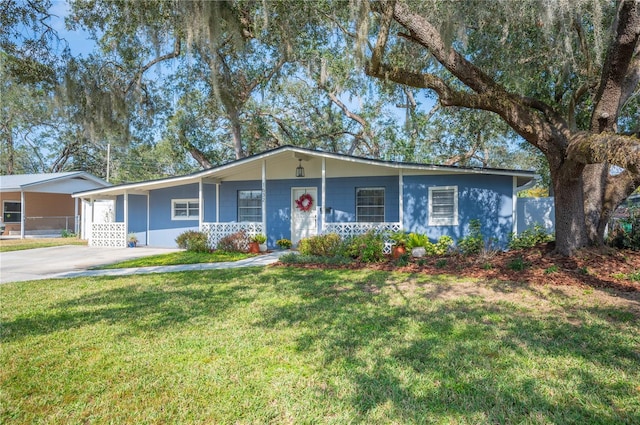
109	235
217	231
346	230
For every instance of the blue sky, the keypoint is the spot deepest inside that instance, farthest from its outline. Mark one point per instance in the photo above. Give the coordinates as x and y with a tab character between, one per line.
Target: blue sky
79	42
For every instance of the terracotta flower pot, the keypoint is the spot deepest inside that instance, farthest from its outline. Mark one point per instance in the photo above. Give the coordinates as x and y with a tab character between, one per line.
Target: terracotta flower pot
254	248
398	251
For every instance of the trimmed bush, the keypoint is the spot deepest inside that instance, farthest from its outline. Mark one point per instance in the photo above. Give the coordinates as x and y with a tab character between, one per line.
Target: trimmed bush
367	247
327	245
529	238
193	241
235	242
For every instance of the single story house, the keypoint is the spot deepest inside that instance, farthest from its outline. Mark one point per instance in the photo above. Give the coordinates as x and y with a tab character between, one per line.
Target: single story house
291	192
42	203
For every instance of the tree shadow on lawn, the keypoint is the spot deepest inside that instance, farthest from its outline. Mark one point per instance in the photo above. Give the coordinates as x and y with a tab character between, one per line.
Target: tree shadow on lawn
153	305
418	358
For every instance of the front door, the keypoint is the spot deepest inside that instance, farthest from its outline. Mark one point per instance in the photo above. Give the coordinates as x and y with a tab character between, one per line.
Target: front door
304	213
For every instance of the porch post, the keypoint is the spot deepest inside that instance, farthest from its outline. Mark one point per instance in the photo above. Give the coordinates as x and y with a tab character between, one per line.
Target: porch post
217	202
126	214
401	198
323	218
200	205
23	215
76	222
90	236
148	218
264	196
514	206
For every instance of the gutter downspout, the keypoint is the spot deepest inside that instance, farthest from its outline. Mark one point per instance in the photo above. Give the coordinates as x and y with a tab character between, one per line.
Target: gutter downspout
126	216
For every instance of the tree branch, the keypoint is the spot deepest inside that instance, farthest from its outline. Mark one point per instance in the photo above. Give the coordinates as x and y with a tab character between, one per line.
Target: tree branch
616	66
174	54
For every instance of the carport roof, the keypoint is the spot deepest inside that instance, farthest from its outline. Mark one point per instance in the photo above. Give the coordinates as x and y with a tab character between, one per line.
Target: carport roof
18	182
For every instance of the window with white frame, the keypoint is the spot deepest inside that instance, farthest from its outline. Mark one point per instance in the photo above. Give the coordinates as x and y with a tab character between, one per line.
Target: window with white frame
370	204
185	209
443	206
11	211
250	205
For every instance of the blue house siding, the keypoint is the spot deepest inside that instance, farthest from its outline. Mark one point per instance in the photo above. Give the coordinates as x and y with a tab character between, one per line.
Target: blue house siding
137	215
484	197
341	197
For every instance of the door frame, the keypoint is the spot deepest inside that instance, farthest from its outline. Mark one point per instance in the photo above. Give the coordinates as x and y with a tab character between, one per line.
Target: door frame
292	204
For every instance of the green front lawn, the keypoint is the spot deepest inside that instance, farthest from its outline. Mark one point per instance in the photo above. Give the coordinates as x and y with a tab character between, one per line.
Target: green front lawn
179	257
7	245
280	345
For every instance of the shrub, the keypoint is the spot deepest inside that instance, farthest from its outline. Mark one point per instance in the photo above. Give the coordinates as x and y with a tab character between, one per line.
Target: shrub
400	238
415	240
441	263
235	242
367	247
193	241
67	234
327	245
284	243
294	258
442	246
474	242
517	264
529	238
626	233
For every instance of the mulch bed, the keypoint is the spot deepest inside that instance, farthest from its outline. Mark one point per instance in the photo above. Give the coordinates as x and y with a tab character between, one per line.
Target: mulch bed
598	268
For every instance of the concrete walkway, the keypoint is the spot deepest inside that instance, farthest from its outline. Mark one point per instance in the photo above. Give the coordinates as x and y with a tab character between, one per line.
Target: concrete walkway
76	261
260	260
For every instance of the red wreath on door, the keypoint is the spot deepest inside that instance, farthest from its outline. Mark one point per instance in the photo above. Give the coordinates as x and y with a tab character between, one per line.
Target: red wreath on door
304	202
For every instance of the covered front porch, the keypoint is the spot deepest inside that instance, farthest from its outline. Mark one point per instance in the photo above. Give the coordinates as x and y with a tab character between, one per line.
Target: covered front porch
257	196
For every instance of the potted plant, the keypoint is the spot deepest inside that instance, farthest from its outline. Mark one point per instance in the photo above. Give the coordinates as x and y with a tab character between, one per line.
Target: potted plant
418	243
399	244
284	243
262	241
132	240
254	244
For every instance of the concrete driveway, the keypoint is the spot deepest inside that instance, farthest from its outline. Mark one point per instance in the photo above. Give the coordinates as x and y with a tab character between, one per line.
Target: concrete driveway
44	263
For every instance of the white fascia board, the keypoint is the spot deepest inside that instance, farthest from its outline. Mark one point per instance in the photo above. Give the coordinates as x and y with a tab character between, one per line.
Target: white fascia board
70	175
195	177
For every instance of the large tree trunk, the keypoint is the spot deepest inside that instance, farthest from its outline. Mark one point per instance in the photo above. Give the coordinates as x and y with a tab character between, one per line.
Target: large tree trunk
594	179
571	233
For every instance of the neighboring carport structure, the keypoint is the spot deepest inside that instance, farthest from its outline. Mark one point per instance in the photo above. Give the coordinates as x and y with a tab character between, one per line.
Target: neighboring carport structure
42	203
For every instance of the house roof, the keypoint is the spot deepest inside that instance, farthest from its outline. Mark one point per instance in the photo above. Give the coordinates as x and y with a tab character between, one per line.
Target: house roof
34	182
284	159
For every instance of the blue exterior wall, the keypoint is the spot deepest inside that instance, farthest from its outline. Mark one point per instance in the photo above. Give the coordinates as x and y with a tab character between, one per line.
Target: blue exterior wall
137	216
341	197
484	197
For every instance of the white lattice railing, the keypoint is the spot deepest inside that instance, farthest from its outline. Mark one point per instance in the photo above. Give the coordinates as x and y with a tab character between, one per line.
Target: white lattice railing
110	235
217	231
346	230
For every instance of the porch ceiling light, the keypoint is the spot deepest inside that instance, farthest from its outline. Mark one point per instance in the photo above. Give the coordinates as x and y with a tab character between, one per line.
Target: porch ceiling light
300	169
